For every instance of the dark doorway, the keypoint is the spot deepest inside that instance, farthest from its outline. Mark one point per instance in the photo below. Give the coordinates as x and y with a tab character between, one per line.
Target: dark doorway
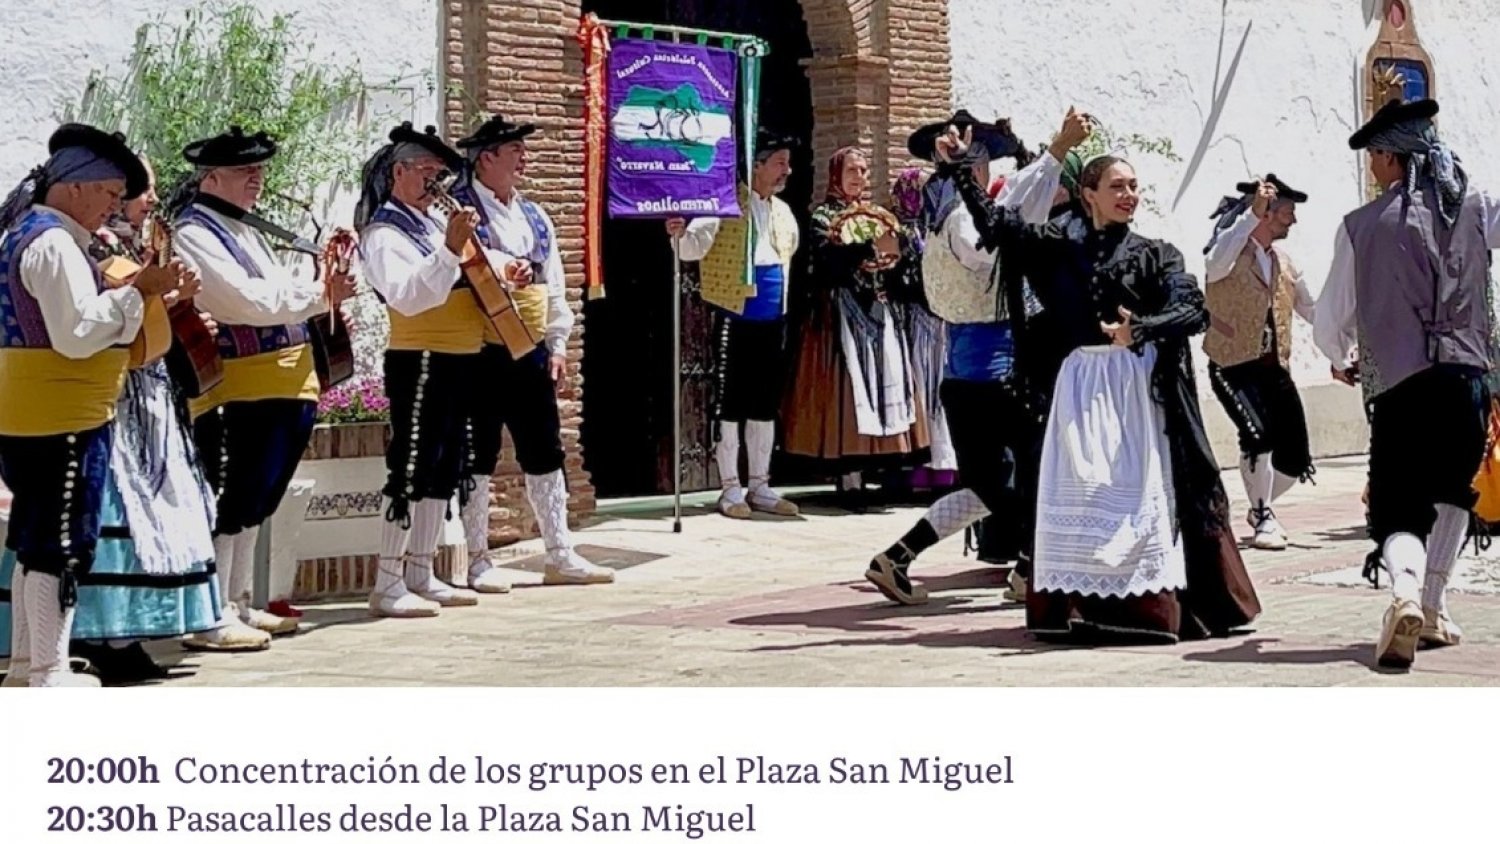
627	361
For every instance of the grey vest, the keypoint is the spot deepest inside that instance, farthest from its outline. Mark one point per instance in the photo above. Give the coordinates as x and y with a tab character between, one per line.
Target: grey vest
1421	291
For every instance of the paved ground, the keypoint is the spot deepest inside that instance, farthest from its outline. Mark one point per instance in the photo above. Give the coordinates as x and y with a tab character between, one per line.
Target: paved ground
782	603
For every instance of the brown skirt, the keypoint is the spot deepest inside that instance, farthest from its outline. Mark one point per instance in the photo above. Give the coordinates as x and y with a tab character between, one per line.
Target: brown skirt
818	413
1220	599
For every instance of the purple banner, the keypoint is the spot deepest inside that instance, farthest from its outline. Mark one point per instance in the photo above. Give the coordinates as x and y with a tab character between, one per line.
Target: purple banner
672	130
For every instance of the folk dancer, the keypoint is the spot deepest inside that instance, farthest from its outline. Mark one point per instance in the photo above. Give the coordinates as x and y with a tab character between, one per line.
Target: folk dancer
1132	538
62	368
253	427
520	393
751	353
989	412
1252	291
412	258
1408	287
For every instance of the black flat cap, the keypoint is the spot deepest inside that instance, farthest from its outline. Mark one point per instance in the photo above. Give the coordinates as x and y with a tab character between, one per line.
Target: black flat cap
230	149
1283	190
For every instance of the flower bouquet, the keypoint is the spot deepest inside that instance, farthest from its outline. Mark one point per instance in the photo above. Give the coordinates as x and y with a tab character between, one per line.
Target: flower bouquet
865	222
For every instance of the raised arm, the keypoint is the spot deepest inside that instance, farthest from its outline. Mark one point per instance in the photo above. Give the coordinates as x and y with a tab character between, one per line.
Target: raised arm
999	228
1227	248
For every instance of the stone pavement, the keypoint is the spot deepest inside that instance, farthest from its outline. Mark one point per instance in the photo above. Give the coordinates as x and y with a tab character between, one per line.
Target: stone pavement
783	603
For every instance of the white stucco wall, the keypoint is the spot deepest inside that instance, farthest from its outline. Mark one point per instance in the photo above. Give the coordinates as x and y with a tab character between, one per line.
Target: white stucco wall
48	49
1148	67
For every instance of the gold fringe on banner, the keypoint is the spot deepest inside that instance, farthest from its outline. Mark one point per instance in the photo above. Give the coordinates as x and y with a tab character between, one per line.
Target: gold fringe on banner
594	38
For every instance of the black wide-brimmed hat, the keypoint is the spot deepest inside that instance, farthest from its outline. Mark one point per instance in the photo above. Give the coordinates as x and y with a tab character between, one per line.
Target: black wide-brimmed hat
428	140
231	149
1283	190
769	140
110	146
1391	114
999	143
496	131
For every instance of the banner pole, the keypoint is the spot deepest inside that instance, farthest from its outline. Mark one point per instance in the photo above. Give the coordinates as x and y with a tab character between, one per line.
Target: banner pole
677	384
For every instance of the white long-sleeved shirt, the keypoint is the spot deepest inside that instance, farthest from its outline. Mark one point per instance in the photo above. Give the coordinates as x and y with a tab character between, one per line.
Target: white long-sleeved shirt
1226	251
698	239
80	320
232	295
1031	189
512	230
409	282
1336	329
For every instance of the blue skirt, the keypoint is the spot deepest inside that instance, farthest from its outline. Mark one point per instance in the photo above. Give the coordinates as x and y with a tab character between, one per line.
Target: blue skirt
117	600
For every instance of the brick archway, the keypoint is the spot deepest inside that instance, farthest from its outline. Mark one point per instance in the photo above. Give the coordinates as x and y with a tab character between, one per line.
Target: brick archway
879	69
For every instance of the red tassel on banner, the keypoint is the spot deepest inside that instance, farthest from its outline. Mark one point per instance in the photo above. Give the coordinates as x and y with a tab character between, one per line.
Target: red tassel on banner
594	38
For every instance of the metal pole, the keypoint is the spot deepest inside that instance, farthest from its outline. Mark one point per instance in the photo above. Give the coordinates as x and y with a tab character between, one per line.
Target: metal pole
677	384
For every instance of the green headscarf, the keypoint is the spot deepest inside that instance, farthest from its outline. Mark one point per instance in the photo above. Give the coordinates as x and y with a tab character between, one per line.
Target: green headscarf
1072	170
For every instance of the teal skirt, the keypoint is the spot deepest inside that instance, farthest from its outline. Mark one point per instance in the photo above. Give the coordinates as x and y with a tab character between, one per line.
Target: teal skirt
117	600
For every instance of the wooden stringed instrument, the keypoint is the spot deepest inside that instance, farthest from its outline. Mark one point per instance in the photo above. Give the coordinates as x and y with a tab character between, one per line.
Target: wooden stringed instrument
333	349
489	287
154	338
193	361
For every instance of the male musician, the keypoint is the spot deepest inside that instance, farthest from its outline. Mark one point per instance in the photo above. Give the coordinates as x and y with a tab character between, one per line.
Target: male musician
62	366
991	417
517	388
437	329
253	427
1253	288
752	339
1408	286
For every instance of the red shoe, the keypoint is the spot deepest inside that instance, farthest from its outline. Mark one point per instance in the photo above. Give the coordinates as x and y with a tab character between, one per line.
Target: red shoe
283	609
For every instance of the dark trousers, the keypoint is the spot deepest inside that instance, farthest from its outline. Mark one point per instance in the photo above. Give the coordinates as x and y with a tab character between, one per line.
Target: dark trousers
997	440
1427	440
520	396
752	363
1261	399
429	421
250	451
57	484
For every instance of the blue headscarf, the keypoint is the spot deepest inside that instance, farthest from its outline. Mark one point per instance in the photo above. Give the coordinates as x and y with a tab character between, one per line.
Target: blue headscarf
69	165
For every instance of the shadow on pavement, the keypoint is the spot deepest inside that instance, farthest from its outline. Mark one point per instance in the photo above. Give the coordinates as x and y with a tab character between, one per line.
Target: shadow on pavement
1253	651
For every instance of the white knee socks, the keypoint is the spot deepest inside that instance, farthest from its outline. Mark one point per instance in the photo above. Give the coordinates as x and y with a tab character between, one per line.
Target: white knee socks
224	563
548	496
242	580
1405	559
728	454
1259	480
20	630
1448	533
426	526
954	512
760	440
476	517
51	627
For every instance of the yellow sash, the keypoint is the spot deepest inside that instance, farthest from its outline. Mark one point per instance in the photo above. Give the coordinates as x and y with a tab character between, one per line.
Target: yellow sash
43	393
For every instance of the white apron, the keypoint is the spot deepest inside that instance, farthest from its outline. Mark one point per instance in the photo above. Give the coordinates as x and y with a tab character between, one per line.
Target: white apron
1104	498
